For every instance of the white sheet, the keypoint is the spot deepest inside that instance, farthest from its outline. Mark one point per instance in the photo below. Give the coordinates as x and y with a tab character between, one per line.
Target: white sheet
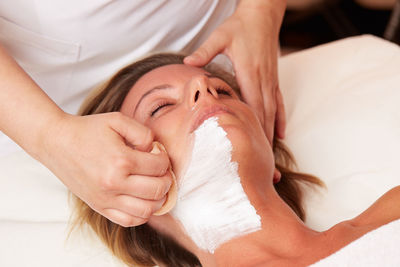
41	244
377	248
343	116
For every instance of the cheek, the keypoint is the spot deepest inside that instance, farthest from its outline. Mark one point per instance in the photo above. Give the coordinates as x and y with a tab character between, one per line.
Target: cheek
251	148
165	132
171	131
254	157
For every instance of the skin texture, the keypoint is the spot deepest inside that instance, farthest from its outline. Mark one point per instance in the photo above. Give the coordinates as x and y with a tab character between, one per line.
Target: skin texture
250	40
178	110
95	167
181	96
172	111
123	184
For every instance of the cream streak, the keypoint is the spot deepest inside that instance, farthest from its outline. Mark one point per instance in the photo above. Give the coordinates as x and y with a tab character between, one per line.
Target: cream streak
212	205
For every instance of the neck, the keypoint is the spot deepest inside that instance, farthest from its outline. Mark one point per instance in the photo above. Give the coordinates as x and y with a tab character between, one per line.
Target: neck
283	239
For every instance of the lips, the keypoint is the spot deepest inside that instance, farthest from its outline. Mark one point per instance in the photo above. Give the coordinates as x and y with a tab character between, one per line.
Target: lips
208	112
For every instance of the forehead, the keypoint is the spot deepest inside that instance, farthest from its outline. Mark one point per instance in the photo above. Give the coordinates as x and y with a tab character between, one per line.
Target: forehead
169	74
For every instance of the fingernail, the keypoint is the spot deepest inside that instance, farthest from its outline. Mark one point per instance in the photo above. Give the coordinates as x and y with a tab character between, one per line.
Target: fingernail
191	58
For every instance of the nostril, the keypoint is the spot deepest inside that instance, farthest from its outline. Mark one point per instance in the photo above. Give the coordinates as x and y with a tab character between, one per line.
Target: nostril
208	91
196	96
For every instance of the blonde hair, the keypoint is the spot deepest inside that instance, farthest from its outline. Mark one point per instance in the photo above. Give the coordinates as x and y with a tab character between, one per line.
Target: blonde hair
143	245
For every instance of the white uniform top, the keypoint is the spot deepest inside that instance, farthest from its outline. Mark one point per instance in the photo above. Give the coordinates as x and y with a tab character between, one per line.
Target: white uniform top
68	47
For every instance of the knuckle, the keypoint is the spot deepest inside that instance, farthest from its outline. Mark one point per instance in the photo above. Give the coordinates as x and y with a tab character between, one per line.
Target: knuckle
149	136
270	119
270	109
116	115
158	192
146	139
126	222
96	207
167	182
259	103
120	120
161	189
163	165
146	212
107	183
138	221
122	163
222	34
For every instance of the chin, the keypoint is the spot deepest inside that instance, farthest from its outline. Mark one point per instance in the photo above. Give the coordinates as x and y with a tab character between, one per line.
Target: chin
244	141
250	148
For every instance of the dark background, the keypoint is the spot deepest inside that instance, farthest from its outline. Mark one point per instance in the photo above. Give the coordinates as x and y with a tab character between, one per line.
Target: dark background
336	19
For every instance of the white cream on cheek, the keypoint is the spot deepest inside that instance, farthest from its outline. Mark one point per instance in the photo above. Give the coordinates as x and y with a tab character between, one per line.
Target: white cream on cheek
212	205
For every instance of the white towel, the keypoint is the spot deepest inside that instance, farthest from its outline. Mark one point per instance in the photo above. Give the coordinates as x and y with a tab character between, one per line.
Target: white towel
380	247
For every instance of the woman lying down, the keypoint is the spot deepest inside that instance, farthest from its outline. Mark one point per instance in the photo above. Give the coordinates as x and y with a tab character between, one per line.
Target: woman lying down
238	199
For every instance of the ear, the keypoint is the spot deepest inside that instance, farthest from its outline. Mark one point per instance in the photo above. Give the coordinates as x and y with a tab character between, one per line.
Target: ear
277	176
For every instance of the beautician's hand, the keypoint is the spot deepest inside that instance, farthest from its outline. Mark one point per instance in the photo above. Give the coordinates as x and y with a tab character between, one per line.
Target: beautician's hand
88	154
122	182
250	39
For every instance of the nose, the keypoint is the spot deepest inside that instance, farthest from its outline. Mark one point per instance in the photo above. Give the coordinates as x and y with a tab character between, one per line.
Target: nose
200	88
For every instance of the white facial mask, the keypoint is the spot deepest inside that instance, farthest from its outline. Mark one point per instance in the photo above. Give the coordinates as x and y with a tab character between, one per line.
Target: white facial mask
212	205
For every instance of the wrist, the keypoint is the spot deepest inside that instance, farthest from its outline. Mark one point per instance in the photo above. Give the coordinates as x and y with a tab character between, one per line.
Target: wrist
274	8
49	135
263	15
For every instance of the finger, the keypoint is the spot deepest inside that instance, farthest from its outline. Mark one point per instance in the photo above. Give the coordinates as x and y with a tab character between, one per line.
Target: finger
269	114
270	107
248	80
214	45
122	218
269	124
135	133
136	207
280	122
146	187
144	163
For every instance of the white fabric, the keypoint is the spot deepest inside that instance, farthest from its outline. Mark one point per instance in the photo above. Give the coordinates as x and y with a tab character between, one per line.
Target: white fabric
45	244
68	47
342	102
377	248
343	125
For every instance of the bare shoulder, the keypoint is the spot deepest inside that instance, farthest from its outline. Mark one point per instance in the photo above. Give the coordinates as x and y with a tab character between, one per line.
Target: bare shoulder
383	211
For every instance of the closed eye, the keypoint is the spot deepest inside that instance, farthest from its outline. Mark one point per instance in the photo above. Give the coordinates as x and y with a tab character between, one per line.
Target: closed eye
159	107
223	91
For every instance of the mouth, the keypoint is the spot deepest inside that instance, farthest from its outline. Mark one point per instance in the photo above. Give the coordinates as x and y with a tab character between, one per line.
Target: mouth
207	112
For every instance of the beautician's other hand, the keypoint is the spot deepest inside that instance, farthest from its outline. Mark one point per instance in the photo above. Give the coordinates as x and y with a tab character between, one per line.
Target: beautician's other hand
124	183
250	39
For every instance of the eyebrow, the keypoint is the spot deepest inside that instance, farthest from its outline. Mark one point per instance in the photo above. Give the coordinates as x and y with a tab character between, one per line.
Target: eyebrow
212	76
167	86
152	90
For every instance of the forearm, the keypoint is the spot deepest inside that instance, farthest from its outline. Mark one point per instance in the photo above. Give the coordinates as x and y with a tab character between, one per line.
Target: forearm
26	112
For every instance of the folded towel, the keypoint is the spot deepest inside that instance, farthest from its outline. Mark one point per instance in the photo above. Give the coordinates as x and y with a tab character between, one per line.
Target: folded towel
380	247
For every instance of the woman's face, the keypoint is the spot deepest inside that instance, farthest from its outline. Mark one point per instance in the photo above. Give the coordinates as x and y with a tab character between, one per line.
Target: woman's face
174	100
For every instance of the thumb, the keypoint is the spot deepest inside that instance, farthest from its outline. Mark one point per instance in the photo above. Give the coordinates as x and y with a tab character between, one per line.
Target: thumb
214	45
135	134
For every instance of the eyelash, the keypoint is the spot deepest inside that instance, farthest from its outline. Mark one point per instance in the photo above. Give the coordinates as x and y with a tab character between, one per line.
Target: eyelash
219	90
159	106
223	91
